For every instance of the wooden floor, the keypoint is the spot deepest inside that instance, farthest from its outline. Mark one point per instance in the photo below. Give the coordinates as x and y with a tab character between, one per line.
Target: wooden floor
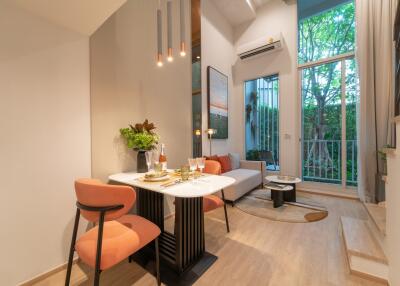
258	252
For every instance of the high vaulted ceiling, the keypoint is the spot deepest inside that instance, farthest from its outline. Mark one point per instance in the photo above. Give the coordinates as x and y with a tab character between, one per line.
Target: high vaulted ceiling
83	16
260	3
239	11
236	11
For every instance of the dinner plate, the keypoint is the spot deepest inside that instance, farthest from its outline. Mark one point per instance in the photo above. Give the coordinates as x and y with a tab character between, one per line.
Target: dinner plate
157	179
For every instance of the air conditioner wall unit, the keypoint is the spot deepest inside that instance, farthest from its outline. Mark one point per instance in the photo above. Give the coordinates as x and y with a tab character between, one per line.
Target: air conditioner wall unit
260	46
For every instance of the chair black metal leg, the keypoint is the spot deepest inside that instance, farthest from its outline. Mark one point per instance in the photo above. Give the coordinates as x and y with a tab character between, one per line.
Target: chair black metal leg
157	263
98	253
226	213
72	248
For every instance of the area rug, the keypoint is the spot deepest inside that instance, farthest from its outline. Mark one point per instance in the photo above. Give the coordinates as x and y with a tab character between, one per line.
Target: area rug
259	203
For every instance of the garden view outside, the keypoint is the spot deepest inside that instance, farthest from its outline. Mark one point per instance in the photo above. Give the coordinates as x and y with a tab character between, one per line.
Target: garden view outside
329	92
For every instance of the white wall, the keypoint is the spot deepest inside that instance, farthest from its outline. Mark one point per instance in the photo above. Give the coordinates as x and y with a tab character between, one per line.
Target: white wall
219	43
44	139
217	51
127	87
275	17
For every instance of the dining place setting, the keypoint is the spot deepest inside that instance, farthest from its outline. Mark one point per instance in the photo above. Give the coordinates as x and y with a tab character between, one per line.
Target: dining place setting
159	175
183	257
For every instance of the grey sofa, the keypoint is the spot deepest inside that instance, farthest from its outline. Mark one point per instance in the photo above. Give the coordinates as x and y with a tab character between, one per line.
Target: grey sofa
248	176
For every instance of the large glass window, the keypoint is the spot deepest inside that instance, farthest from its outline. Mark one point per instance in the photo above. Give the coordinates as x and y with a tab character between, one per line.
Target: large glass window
262	120
329	91
325	33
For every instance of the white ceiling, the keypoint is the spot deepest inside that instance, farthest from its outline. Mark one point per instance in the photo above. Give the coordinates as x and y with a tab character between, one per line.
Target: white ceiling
83	16
239	11
236	11
260	3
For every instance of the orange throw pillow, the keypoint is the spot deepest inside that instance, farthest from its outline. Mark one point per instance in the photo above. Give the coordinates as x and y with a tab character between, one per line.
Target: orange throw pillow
213	157
225	162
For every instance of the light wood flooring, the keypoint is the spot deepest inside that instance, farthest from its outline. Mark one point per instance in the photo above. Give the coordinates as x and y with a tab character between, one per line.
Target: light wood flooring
257	251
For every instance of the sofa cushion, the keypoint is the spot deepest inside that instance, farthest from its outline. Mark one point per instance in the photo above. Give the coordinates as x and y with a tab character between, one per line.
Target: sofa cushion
242	174
213	157
246	180
235	160
225	163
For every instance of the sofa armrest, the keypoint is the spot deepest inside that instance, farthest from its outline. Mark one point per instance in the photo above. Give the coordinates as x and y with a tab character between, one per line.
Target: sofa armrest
255	165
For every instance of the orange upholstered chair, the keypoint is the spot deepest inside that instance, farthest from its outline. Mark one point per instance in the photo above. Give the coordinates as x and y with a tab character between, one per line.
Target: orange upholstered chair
213	202
117	235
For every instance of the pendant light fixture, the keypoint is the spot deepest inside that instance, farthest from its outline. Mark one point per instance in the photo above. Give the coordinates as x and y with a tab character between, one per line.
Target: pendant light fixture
182	20
169	30
159	35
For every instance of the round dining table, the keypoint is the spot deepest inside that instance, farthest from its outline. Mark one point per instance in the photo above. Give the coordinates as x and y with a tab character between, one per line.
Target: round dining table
184	250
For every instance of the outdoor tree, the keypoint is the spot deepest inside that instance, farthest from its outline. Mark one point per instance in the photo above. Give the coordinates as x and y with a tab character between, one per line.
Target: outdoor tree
322	36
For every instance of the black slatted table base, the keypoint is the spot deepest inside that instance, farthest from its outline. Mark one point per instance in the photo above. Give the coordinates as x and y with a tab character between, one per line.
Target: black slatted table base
184	251
189	231
168	248
150	205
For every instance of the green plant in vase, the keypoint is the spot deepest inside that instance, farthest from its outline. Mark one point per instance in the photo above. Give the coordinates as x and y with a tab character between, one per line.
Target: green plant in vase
141	138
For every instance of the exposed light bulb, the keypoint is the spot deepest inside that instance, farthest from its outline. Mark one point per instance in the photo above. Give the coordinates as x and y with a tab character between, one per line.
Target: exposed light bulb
170	58
159	60
183	53
169	30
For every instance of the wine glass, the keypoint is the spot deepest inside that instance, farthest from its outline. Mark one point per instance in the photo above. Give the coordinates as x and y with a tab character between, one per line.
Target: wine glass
149	158
192	165
201	163
156	160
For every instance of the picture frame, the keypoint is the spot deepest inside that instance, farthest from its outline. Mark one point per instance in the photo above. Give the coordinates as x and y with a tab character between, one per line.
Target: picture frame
217	102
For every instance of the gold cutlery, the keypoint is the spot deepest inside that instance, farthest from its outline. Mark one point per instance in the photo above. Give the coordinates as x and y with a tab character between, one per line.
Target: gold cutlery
168	184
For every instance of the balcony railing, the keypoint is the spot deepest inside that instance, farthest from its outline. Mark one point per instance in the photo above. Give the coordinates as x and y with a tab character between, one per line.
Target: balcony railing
322	161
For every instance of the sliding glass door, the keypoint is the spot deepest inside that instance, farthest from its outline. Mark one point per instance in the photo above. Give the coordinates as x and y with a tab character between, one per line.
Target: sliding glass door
262	120
329	91
329	96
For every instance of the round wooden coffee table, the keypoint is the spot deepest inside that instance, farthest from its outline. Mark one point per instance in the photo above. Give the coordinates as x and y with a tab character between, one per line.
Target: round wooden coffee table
289	196
277	193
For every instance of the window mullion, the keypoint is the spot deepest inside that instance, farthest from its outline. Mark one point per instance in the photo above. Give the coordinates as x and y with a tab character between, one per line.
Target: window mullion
344	137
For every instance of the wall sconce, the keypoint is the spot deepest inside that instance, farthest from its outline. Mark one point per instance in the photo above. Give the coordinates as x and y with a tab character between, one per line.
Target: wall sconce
197	132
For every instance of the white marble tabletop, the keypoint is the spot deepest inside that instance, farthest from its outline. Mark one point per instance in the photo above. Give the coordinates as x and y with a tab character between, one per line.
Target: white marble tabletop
276	179
203	186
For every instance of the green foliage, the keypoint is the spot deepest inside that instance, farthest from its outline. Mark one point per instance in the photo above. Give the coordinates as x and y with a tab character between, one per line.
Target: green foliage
327	34
140	136
253	155
262	116
322	36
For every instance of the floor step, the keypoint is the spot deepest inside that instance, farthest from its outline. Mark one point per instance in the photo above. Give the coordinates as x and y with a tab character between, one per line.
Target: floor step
360	241
378	216
365	255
